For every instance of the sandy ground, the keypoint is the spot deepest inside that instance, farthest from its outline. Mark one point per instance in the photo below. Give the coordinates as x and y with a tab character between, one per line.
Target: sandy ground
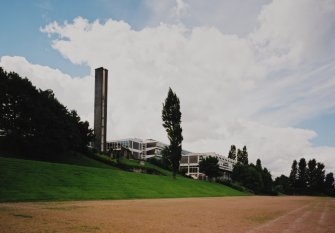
224	214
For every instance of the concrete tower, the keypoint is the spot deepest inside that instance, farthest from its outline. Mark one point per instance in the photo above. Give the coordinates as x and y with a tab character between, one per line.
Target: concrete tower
100	108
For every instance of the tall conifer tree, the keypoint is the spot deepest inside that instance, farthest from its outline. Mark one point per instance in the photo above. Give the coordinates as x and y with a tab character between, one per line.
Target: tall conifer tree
171	117
239	156
293	176
302	176
232	152
245	156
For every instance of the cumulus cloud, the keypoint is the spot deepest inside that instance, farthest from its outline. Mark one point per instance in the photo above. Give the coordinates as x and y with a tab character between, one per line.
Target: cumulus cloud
294	32
234	89
230	16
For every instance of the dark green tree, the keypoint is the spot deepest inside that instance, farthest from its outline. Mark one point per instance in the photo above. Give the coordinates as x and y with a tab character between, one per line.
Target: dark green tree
34	123
248	176
259	164
302	176
282	185
266	177
320	177
242	156
239	156
245	155
329	185
311	176
166	157
210	167
171	117
254	177
293	178
267	181
232	152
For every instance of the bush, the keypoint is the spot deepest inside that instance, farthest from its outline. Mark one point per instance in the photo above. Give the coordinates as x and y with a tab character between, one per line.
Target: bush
159	163
123	165
234	185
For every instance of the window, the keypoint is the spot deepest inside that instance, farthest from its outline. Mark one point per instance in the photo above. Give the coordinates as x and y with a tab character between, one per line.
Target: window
193	169
194	159
184	159
136	145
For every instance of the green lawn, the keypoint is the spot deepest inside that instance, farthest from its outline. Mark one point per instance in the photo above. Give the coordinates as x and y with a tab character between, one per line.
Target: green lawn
27	180
67	158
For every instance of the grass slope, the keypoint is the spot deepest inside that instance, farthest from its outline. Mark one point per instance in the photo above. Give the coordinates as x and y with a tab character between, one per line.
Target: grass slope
27	180
67	158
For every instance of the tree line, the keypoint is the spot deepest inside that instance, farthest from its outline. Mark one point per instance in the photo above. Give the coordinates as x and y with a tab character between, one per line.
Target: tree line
306	178
33	122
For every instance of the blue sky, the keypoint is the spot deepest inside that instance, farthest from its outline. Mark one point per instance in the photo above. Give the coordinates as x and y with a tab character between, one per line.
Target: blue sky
263	76
22	20
324	125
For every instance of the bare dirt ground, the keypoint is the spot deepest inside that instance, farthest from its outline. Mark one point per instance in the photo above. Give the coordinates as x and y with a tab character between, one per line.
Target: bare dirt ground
224	214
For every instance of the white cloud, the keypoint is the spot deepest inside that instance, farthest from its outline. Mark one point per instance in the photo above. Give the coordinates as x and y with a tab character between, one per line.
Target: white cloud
245	90
292	32
230	16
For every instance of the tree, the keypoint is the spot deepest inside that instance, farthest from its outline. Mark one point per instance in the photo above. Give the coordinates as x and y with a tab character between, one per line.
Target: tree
242	156
282	184
258	164
232	152
245	155
311	176
34	123
171	117
293	176
308	178
210	167
302	176
166	157
252	176
266	177
239	156
267	181
329	186
320	177
248	176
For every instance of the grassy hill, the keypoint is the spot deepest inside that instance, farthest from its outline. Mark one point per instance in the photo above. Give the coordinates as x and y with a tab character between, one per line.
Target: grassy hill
27	180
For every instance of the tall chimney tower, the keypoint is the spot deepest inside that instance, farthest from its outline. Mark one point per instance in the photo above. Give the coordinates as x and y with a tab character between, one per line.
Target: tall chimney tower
100	108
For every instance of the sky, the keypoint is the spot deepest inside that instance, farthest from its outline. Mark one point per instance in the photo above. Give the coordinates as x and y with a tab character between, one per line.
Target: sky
258	73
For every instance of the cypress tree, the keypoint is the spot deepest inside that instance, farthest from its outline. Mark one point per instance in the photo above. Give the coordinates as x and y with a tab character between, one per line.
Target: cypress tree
239	156
293	177
171	117
259	164
232	152
302	176
329	185
245	155
311	176
320	177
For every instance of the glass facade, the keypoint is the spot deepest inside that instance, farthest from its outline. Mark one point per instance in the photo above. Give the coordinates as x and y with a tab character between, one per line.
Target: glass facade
140	149
189	164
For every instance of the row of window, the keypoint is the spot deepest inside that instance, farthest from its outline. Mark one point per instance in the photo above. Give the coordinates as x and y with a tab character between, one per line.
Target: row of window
130	144
192	169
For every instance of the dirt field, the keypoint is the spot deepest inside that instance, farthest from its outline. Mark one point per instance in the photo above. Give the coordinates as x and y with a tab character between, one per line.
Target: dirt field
227	214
